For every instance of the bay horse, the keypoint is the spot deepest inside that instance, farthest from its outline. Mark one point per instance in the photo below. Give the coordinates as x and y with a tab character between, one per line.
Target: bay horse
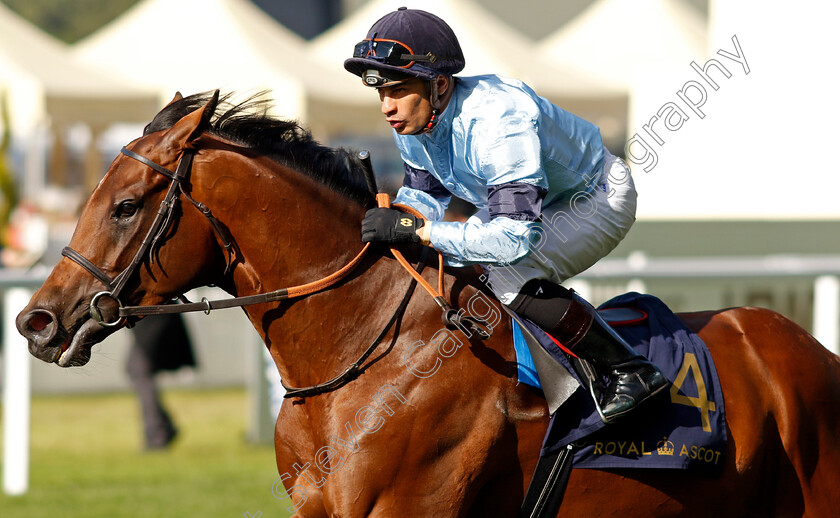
429	424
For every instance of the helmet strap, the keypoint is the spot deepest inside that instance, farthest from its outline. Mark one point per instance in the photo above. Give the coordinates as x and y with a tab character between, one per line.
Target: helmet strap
436	105
432	122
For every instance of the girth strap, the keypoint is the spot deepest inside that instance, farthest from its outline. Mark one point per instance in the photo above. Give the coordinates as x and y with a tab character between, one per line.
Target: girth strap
548	485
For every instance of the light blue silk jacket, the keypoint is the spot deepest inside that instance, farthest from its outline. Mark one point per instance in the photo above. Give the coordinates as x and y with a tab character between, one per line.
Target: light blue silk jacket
495	135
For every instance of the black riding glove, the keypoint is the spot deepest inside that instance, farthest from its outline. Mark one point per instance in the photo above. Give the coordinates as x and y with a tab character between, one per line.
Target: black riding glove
390	226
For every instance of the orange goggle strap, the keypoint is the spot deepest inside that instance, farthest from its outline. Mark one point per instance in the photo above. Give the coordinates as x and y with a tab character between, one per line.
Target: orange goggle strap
406	59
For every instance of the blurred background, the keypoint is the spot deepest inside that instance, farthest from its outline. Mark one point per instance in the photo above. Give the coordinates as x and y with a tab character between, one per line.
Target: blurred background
726	111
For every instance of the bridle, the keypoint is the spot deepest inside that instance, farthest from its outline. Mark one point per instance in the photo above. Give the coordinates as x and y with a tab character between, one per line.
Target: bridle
160	225
163	220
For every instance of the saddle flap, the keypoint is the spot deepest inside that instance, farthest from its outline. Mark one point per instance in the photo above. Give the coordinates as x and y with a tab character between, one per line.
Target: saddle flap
556	381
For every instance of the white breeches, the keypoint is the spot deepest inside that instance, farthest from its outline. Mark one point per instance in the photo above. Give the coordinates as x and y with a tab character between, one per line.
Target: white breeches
574	235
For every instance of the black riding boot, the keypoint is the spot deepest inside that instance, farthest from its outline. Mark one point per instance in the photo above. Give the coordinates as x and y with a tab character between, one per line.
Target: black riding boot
576	324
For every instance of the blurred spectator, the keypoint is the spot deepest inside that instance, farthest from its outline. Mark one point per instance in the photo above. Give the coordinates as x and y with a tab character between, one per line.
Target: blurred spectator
25	238
161	343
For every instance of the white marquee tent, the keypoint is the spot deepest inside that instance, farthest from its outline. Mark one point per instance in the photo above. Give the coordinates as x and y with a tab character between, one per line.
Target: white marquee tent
194	46
490	45
47	91
618	40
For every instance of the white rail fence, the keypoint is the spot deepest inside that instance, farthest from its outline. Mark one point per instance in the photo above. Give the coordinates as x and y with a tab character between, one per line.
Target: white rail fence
822	270
633	273
17	289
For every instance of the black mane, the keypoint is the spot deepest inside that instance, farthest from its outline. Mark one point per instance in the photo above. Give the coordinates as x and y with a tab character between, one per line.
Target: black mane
248	124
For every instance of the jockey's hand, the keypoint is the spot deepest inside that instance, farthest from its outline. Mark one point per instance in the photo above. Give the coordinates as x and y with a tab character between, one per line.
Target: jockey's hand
390	226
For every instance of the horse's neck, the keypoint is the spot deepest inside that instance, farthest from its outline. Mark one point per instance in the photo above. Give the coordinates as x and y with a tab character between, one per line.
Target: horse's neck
288	228
291	230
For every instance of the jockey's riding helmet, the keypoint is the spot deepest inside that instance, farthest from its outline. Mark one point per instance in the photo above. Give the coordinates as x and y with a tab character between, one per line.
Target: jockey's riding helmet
403	44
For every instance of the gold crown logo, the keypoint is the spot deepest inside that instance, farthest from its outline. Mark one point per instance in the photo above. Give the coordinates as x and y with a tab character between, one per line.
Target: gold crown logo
665	447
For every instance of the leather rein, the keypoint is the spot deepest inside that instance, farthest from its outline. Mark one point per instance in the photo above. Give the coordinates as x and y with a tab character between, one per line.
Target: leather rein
162	222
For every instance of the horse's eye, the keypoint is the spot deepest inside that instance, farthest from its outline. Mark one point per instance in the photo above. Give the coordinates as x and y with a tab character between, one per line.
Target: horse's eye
125	209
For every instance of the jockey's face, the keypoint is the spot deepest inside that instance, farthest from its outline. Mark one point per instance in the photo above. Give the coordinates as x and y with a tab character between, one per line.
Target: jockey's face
406	105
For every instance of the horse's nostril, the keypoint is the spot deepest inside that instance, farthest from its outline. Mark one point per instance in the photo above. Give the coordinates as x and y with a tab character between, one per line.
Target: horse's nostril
39	321
38	325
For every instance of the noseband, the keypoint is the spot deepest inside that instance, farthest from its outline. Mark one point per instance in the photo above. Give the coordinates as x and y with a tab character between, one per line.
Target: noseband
161	223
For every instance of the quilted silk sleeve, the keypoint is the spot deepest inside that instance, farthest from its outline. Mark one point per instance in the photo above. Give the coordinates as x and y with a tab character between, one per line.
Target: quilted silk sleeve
424	192
430	207
511	153
499	242
504	239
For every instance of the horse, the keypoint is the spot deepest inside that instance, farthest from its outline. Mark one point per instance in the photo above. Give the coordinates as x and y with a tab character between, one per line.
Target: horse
415	420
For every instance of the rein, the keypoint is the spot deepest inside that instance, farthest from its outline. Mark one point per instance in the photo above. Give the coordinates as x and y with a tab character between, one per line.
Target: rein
451	317
355	369
163	219
161	223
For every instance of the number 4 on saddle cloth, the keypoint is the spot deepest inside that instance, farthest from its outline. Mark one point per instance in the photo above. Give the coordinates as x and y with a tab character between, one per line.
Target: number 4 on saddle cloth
685	431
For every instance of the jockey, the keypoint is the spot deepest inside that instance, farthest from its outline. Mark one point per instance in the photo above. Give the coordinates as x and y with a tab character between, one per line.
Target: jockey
552	200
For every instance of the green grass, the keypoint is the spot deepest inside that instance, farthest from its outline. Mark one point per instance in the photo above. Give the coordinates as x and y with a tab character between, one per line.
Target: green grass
87	461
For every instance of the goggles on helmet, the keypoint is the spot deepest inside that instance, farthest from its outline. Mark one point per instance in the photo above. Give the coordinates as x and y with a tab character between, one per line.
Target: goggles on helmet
390	52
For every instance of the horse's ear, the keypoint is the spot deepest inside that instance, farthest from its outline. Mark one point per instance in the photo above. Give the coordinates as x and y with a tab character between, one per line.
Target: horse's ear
177	97
192	125
208	110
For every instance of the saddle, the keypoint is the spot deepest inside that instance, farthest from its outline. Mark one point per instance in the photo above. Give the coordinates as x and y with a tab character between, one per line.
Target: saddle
687	433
